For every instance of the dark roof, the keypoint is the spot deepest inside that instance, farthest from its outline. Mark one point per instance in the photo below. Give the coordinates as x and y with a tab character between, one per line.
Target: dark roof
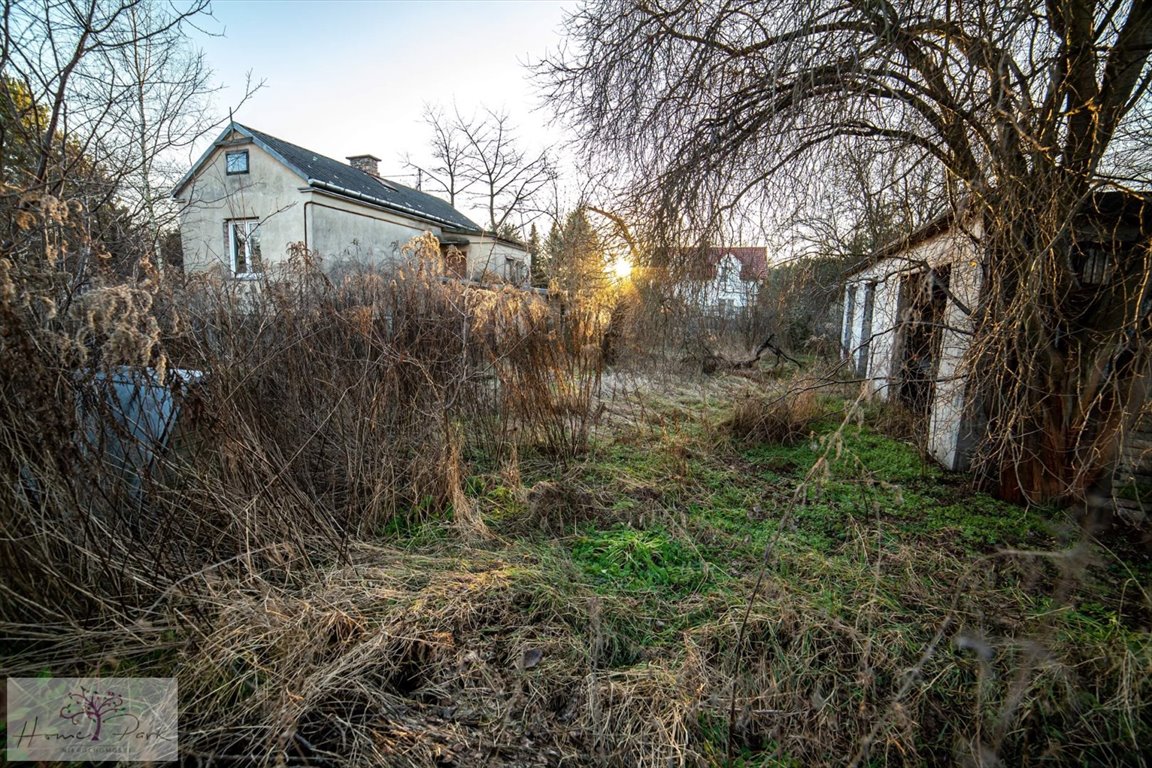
337	174
1109	206
342	179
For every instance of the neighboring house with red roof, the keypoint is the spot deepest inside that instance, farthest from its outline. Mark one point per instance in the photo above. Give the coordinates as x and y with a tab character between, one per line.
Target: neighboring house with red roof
251	195
727	280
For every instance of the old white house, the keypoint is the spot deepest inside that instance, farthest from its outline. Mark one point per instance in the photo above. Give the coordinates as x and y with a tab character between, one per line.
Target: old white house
727	280
251	195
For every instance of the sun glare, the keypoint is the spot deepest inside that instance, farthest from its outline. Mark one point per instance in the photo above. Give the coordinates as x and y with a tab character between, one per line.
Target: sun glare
622	268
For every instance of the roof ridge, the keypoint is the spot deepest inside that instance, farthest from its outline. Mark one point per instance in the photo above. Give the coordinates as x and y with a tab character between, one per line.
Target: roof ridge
347	180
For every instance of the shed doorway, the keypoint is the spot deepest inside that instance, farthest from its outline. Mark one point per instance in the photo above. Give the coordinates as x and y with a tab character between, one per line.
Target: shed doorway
923	299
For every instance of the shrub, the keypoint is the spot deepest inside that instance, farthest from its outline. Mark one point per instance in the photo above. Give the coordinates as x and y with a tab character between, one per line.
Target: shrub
328	408
783	418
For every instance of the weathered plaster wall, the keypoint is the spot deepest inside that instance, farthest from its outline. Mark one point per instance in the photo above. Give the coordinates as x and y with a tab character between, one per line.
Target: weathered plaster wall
347	234
949	421
486	254
268	192
879	344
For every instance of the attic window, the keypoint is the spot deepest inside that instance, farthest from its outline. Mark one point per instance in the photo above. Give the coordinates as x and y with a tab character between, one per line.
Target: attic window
236	162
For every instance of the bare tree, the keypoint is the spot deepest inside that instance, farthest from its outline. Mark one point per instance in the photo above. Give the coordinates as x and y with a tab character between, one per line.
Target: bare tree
714	106
482	158
873	198
166	112
450	149
506	177
115	97
64	53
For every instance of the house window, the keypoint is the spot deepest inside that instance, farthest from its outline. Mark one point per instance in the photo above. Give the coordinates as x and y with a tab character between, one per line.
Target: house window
236	162
514	270
244	247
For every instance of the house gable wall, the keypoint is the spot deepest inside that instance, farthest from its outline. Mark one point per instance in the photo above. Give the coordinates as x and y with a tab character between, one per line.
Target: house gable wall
728	286
723	288
269	192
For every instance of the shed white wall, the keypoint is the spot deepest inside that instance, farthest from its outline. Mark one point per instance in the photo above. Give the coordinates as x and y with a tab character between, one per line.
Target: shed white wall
949	430
949	411
880	343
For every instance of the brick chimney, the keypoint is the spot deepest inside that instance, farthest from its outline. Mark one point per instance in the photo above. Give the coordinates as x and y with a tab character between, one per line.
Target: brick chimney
370	164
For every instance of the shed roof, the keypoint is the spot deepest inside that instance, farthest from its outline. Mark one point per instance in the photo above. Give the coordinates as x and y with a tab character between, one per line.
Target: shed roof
936	226
1110	205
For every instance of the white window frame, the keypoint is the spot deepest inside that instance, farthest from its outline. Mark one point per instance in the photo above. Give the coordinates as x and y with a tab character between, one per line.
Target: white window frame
250	226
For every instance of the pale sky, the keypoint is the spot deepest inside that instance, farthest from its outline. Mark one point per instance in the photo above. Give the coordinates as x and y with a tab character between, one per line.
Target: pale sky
349	77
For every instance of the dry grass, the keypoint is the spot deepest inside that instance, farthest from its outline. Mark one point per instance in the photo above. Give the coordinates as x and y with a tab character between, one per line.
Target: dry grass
784	415
558	507
478	657
313	559
391	660
329	411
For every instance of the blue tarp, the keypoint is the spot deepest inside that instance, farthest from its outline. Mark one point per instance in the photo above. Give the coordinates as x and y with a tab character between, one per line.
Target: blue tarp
127	415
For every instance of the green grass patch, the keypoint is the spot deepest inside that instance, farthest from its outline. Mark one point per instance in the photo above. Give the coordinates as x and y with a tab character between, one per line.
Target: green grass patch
627	560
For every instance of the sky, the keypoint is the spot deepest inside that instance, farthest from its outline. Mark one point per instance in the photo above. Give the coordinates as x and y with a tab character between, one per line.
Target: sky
350	77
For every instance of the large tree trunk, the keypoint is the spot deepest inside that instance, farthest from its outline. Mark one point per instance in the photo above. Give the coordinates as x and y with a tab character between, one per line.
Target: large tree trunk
1057	358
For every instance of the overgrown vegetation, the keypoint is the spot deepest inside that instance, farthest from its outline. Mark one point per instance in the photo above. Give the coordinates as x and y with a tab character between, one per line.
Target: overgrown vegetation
327	412
458	596
408	521
1012	122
